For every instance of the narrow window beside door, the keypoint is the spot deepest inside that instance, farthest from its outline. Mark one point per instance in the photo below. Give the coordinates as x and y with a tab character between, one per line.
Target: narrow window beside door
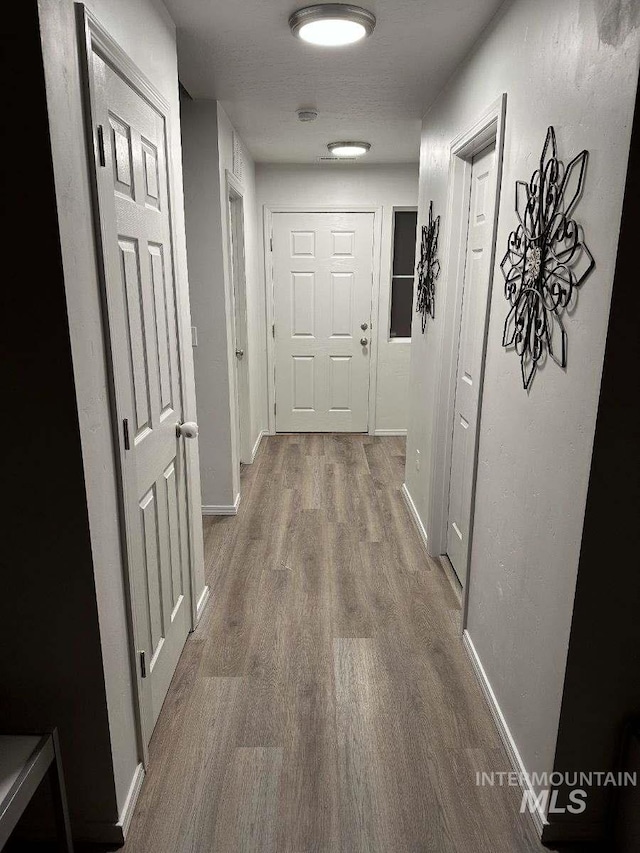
404	249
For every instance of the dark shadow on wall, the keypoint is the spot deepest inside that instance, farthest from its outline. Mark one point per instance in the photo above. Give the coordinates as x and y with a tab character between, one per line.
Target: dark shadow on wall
601	695
50	653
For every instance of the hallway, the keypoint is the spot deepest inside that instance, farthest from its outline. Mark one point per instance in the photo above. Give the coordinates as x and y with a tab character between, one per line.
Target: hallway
325	701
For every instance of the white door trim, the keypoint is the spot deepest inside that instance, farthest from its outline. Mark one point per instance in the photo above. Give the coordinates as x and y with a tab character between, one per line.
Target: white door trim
93	37
268	214
242	394
488	128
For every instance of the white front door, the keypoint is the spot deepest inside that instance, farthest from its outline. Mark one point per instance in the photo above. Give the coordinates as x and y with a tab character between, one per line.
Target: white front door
470	355
322	274
142	302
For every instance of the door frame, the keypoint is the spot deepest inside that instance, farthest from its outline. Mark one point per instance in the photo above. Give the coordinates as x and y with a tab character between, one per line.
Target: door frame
93	37
269	211
489	128
240	392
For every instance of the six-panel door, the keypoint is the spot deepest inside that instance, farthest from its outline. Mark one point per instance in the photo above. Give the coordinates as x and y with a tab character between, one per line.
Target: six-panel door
470	354
143	337
322	274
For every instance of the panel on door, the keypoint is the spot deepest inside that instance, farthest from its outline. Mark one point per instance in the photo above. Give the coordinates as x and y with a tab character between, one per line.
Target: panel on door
322	272
143	336
470	356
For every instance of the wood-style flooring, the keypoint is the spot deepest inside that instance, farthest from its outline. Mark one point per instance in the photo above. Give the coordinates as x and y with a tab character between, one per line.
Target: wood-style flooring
325	703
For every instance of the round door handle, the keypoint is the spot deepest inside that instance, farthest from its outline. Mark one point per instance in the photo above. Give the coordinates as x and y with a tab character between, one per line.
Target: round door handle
364	326
189	429
239	353
364	341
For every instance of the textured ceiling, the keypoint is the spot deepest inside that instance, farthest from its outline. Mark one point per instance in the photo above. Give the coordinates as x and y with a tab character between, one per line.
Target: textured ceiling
241	53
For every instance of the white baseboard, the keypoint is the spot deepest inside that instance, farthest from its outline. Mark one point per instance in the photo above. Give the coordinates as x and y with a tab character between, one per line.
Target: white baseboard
390	432
256	446
414	515
113	833
228	509
538	818
202	603
132	798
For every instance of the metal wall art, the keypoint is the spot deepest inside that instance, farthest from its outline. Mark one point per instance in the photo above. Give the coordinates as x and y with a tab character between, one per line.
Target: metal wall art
428	268
546	260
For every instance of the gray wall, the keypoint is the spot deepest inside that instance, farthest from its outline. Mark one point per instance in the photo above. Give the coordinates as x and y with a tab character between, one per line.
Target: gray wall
574	65
208	155
203	220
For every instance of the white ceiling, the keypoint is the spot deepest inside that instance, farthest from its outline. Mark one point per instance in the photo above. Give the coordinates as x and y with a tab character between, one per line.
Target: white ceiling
242	53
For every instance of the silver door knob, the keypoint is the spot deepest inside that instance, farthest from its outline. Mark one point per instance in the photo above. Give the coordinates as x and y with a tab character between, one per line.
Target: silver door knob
364	326
188	429
239	353
364	341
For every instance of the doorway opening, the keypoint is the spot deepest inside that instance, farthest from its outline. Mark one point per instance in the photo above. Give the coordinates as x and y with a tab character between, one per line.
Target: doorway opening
241	397
472	211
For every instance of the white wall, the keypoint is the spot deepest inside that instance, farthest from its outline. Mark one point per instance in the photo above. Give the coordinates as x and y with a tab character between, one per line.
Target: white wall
208	156
385	186
144	30
558	65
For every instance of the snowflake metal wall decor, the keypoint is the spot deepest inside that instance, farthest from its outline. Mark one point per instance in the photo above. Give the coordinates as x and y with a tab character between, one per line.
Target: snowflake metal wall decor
546	260
428	268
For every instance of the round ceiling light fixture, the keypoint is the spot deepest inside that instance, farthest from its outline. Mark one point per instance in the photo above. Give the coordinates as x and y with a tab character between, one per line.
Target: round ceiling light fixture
348	149
332	24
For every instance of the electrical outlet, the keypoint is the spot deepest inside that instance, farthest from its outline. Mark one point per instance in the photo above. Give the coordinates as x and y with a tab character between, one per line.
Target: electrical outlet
417	460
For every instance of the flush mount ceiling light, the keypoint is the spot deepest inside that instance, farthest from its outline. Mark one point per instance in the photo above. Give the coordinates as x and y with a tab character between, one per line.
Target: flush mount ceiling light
348	149
332	24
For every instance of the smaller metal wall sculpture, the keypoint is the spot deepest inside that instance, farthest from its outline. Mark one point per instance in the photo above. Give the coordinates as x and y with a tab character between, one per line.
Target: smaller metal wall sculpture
428	268
546	260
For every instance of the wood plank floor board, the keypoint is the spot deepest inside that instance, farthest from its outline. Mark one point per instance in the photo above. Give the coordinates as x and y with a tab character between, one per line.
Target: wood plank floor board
400	530
368	819
246	814
308	805
350	596
232	617
380	466
184	779
266	667
325	704
337	504
366	510
309	604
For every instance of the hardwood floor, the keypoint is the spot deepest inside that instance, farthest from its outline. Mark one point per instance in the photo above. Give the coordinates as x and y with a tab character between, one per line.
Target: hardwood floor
325	703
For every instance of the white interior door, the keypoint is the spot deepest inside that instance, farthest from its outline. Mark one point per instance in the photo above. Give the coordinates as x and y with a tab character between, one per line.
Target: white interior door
470	355
322	274
143	339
